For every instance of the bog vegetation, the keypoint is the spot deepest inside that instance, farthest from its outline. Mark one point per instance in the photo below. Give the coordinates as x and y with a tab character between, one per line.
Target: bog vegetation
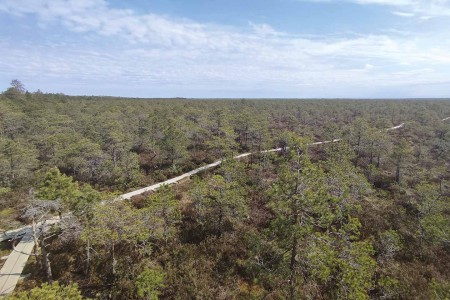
363	218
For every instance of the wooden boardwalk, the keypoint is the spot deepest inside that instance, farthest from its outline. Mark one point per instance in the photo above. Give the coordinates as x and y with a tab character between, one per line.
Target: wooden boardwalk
14	265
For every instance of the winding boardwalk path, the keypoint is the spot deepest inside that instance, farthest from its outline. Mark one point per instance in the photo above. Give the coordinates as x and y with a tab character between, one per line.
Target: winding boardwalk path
396	127
16	261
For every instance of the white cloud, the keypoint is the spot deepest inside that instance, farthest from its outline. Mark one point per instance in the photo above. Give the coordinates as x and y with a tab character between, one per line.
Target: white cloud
263	29
385	2
427	8
404	14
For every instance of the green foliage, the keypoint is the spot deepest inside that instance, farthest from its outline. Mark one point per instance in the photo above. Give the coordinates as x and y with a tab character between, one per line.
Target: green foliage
434	223
321	258
4	213
219	204
57	186
174	142
15	91
313	221
250	291
401	156
440	290
17	162
223	137
436	228
390	243
115	222
87	198
75	154
4	190
79	200
149	283
357	268
52	291
389	287
163	208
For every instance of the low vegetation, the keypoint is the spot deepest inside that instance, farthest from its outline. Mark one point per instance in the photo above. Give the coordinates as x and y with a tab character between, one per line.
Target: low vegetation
363	218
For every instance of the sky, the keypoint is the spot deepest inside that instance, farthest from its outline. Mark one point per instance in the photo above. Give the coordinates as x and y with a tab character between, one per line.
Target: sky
228	48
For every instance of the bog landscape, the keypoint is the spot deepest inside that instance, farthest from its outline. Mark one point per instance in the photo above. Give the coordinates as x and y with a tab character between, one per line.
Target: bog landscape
364	214
229	150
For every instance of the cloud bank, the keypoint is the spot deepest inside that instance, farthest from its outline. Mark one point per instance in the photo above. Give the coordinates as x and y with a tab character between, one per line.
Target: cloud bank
428	8
145	53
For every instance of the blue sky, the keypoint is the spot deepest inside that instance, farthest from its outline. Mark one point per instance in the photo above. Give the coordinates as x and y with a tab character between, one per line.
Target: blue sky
228	48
